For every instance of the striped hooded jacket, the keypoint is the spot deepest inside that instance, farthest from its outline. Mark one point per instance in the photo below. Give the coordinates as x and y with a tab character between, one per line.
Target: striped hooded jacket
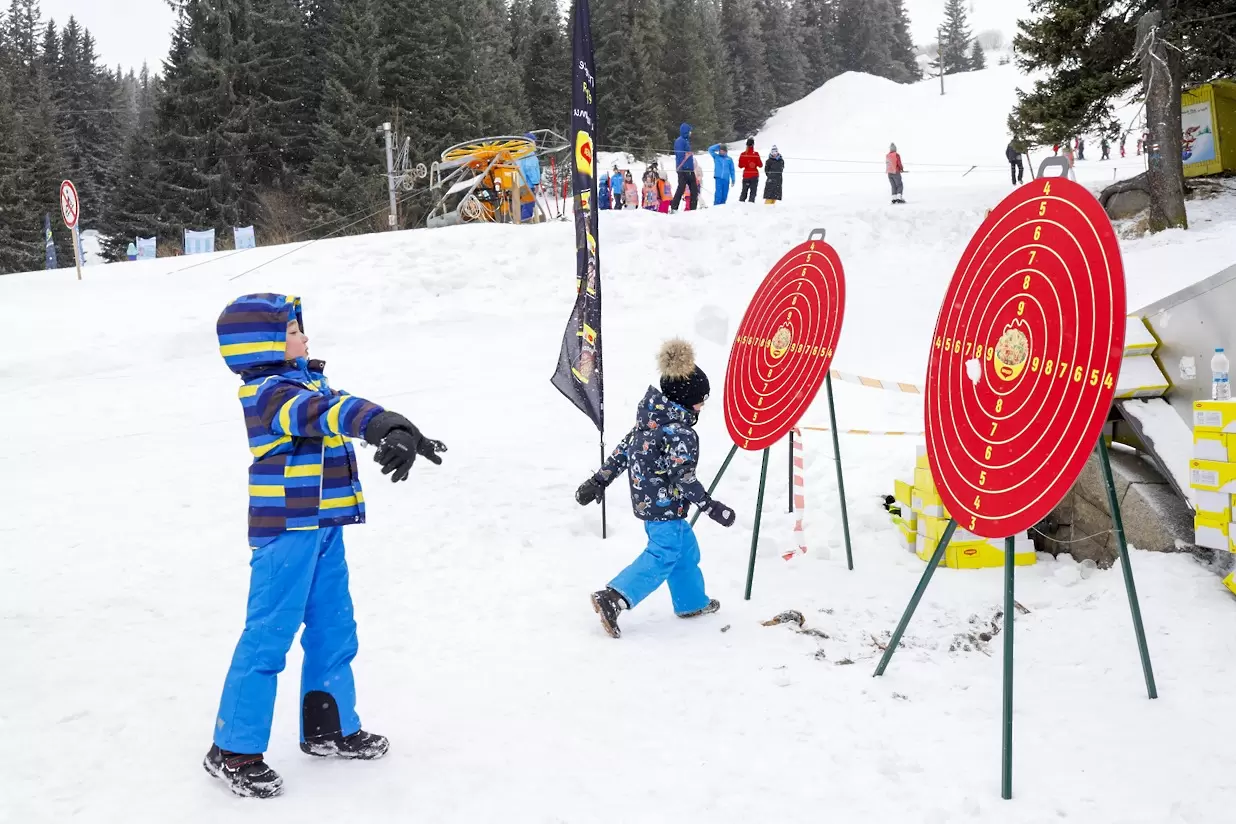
304	473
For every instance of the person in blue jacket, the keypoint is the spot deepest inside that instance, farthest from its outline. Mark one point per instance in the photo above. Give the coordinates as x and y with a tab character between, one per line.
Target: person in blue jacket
603	191
530	170
722	172
684	161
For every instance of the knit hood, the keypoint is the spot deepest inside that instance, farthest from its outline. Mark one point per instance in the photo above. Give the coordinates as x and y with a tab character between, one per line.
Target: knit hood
253	330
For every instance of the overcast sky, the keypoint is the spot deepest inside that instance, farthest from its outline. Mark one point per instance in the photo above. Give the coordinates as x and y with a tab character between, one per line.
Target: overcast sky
128	32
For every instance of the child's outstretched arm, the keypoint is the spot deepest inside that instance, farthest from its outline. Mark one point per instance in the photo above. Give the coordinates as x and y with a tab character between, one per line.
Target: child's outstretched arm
591	490
285	408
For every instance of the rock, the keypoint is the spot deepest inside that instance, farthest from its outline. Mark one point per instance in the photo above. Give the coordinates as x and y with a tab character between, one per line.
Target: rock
1126	205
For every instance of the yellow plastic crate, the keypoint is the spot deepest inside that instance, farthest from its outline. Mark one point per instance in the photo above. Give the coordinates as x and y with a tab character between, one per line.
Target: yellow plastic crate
923	479
1213	506
932	528
1138	339
1214	446
974	554
920	458
1212	476
1230	582
903	492
1212	534
1214	416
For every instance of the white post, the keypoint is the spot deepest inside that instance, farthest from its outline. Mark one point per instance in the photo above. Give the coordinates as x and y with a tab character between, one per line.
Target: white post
77	251
390	177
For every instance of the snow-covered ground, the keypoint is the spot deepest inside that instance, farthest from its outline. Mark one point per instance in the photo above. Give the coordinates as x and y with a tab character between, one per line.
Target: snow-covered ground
124	571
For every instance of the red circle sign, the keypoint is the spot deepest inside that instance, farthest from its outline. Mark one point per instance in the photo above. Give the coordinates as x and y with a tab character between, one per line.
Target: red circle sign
70	206
784	345
1025	358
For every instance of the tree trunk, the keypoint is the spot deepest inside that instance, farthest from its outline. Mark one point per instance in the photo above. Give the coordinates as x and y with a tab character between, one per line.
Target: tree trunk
1161	78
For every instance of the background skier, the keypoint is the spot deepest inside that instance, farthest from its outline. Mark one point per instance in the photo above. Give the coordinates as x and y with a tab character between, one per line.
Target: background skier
659	456
773	170
722	172
684	162
895	169
750	163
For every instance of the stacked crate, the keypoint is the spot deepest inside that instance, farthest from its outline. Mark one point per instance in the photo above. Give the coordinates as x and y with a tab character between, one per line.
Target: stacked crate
1212	474
923	521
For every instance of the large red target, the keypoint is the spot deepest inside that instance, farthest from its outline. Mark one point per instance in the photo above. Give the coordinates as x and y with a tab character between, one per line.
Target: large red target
784	345
1025	358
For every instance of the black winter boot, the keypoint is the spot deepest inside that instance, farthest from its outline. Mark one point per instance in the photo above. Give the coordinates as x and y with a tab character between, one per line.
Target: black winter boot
713	606
324	735
245	775
608	603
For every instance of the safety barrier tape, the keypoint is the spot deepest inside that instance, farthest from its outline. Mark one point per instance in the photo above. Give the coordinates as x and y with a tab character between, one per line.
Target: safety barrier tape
891	433
800	498
876	383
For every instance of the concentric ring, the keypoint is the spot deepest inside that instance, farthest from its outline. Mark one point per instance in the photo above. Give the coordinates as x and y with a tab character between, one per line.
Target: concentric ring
784	345
1025	358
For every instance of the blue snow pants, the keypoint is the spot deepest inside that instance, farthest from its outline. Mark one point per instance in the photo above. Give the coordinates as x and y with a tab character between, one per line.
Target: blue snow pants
300	577
722	189
673	556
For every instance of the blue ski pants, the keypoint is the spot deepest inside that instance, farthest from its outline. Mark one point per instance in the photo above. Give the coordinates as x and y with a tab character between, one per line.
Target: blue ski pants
673	556
300	577
722	190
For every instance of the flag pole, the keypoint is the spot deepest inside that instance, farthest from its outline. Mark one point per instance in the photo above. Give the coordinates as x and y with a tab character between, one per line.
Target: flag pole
604	523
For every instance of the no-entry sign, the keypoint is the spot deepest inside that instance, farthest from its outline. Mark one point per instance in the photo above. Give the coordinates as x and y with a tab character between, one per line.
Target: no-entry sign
70	206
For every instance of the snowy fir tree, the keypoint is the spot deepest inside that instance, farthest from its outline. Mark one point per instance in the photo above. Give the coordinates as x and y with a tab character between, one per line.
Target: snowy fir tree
903	52
819	39
747	66
541	43
863	36
955	38
782	31
978	60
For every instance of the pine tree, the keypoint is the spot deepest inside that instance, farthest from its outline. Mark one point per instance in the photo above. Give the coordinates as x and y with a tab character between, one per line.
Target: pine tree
135	205
622	122
746	65
347	176
688	75
955	38
716	78
546	69
864	36
903	45
501	99
819	21
978	60
270	84
15	255
783	50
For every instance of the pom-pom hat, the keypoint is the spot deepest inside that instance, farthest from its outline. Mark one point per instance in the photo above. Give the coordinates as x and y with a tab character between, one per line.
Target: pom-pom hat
682	381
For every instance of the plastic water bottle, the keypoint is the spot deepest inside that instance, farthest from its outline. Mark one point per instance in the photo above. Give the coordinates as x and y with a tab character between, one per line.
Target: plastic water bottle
1220	384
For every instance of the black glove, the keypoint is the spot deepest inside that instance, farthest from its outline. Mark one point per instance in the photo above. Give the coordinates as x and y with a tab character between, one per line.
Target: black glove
589	492
720	513
399	443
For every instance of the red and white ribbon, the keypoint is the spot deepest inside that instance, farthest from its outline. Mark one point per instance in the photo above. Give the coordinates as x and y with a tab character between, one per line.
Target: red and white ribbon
800	498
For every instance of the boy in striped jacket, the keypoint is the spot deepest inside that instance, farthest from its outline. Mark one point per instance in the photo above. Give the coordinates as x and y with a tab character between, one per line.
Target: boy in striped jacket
303	487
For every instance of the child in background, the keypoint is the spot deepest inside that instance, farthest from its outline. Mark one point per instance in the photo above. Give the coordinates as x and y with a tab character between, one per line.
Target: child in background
665	193
303	488
659	455
630	192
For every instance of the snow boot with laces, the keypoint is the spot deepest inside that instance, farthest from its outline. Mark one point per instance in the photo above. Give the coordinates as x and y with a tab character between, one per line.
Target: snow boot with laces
245	775
608	603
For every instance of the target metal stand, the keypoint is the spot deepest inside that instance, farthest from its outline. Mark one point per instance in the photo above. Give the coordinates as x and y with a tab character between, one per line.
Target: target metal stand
1020	381
781	355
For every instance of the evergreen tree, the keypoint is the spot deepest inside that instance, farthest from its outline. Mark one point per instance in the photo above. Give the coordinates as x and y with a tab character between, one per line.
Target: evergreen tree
978	60
688	71
545	65
903	45
15	255
347	176
501	100
819	21
783	38
272	70
135	208
746	65
864	36
955	38
623	122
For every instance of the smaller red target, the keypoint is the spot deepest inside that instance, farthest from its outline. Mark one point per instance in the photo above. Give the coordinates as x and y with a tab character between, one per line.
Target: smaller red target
1025	357
784	345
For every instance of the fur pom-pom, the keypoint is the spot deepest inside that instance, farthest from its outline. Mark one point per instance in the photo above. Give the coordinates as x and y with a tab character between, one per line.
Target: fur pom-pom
677	359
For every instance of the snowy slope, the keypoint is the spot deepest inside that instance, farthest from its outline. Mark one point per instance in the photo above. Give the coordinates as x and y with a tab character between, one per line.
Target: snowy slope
122	584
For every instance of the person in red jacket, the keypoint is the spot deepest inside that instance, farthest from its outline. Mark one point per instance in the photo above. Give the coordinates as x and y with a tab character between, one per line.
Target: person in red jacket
894	167
750	163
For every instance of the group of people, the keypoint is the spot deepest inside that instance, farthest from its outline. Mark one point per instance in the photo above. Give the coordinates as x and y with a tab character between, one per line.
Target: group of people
617	189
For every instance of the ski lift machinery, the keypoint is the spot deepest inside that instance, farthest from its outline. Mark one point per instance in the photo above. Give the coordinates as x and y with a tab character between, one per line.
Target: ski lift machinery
480	180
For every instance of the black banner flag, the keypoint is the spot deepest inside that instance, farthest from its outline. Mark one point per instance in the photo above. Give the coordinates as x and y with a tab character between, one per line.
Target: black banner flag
580	375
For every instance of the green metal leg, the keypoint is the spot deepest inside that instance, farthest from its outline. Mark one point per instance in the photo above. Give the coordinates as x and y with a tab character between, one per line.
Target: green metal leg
845	517
1130	587
755	537
918	596
716	480
1006	747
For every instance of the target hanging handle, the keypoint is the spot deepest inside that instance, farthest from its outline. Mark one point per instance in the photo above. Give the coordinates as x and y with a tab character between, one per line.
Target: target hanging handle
817	234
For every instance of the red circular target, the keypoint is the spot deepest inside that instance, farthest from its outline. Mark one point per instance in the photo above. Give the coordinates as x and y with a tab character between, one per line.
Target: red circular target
784	345
1025	358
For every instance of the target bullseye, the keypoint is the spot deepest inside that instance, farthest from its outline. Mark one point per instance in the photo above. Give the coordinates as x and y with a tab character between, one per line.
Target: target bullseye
784	345
1025	357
